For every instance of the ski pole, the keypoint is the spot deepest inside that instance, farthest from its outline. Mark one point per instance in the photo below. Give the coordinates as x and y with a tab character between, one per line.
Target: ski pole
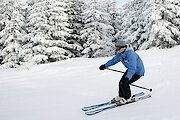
115	70
141	87
130	84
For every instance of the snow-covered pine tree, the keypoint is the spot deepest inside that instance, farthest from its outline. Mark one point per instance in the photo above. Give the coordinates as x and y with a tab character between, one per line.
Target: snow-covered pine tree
111	8
48	28
135	25
97	34
74	11
11	32
145	25
37	27
2	26
167	26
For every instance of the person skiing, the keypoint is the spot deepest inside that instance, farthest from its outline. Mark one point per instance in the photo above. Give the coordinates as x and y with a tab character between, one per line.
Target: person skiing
135	69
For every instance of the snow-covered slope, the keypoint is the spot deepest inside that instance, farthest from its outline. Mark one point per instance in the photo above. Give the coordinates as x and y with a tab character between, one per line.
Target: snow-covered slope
58	91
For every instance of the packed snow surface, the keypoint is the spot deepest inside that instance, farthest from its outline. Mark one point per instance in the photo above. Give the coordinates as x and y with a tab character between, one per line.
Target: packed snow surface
58	91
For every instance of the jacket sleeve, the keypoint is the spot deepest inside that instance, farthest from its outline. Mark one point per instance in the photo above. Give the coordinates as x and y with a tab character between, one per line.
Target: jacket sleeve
113	61
131	65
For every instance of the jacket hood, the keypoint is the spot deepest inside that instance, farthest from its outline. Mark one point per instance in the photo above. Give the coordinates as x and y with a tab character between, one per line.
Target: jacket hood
128	48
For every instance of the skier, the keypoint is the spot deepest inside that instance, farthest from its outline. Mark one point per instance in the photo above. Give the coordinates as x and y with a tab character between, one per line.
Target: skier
135	69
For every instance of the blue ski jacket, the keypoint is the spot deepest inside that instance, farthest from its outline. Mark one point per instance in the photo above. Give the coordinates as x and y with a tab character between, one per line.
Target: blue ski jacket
130	60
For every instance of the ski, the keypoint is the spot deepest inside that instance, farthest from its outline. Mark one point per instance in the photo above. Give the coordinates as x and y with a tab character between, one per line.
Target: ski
108	103
117	105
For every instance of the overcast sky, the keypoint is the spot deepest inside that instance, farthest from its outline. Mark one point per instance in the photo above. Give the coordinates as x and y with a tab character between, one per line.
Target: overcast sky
119	2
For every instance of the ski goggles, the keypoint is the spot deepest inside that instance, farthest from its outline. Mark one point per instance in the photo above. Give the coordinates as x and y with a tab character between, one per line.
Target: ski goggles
122	48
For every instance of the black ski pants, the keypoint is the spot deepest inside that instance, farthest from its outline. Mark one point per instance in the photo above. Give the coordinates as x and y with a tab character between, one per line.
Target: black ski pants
124	88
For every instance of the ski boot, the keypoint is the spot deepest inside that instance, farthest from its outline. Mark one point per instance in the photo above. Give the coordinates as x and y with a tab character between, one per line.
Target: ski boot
120	100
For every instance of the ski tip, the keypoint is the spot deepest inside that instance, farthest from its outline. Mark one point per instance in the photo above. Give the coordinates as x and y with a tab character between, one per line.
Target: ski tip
91	113
88	114
84	109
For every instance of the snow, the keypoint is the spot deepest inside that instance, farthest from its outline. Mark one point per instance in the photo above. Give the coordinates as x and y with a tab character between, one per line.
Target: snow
58	91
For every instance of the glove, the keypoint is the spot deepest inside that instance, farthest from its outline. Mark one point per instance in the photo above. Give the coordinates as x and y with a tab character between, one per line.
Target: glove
102	67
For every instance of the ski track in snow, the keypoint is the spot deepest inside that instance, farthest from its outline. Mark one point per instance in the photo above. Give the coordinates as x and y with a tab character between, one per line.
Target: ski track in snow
58	91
